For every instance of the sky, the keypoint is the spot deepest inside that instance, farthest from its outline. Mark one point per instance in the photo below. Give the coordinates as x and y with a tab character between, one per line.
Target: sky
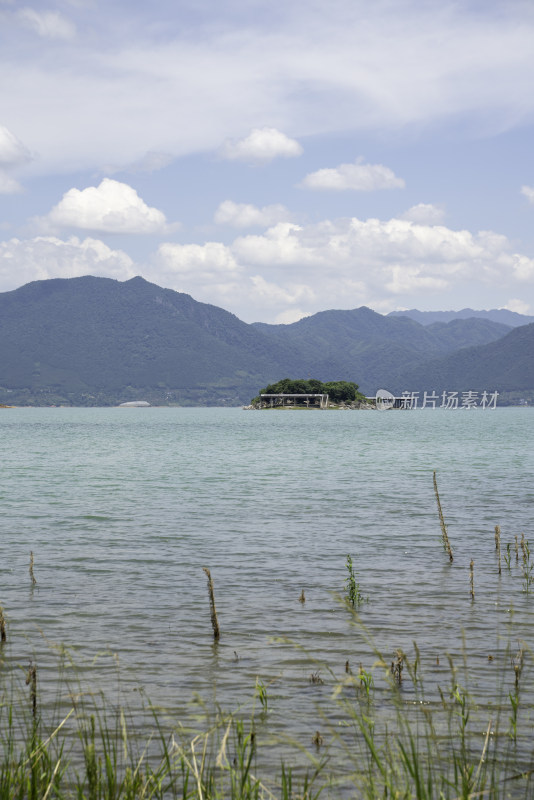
274	158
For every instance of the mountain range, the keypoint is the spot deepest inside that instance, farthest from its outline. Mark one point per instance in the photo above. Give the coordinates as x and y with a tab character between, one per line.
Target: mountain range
92	341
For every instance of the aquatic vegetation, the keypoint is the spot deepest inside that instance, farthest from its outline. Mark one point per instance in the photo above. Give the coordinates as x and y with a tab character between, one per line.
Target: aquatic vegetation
444	535
528	567
32	576
213	610
498	546
3	630
354	596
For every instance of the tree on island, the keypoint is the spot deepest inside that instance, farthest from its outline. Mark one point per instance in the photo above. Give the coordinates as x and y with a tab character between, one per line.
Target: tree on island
337	391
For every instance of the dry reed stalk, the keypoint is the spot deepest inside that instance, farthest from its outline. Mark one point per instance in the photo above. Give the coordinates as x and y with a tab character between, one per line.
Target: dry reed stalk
3	634
214	620
397	667
444	535
523	547
516	548
302	598
498	545
317	739
31	681
472	578
32	576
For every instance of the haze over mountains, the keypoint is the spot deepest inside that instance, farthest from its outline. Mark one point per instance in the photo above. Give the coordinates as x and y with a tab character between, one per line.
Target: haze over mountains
95	341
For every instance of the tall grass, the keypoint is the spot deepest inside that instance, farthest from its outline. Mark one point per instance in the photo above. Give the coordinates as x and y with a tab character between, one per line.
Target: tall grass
384	733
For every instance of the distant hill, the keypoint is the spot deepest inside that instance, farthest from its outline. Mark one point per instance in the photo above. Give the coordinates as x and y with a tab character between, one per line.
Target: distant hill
506	365
88	340
91	341
510	318
335	344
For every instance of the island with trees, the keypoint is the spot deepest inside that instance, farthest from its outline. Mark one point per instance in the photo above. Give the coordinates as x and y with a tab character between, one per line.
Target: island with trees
312	393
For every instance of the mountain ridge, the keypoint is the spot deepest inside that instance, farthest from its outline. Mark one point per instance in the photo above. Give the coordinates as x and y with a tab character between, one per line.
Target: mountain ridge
91	340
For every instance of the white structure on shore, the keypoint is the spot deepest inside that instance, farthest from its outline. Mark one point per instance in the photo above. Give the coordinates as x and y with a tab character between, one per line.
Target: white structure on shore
135	404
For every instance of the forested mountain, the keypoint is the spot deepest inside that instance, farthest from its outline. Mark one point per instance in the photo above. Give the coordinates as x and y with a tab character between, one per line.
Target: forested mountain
506	365
91	339
100	341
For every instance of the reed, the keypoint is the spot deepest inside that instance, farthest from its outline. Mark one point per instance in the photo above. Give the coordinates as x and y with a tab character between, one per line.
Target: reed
444	535
3	632
472	578
465	746
354	596
31	681
302	598
32	576
213	610
498	546
397	665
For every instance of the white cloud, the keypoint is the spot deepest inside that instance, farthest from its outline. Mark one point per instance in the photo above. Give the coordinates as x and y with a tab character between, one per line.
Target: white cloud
368	67
359	177
12	152
519	306
43	257
528	192
261	145
9	185
245	215
111	207
152	161
207	262
289	316
48	24
424	214
300	269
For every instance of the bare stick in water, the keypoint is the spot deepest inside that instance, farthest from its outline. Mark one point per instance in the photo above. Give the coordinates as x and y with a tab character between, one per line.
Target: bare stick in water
3	634
214	620
32	576
444	536
498	544
472	578
31	681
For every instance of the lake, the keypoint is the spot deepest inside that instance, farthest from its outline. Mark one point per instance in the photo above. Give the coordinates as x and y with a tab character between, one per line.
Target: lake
122	509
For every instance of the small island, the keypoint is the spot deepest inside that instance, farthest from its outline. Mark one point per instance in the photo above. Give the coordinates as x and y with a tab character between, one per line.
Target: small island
310	394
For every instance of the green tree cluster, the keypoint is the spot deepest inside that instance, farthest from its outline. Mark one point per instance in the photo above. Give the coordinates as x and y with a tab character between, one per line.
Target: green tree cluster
338	391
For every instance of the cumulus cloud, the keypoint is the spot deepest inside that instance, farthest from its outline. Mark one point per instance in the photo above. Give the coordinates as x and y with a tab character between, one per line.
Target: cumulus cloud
293	270
12	152
111	207
48	24
528	192
43	257
245	215
289	316
519	306
425	214
200	262
261	145
359	177
8	185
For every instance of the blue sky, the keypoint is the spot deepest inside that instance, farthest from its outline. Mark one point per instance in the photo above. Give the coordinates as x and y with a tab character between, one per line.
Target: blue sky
273	158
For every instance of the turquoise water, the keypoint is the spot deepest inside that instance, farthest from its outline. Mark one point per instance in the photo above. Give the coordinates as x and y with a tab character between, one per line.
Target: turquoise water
123	507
